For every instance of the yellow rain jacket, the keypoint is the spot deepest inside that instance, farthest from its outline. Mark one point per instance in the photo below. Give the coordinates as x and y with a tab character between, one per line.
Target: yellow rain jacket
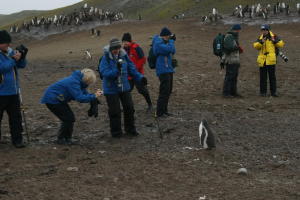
267	50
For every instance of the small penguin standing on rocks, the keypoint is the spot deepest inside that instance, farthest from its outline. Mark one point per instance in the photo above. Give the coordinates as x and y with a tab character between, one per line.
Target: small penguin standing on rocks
207	139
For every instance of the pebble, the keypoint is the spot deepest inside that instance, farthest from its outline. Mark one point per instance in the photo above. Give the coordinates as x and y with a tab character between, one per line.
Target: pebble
242	171
73	169
251	109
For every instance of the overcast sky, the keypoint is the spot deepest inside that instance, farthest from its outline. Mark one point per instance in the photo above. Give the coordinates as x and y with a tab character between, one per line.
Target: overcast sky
12	6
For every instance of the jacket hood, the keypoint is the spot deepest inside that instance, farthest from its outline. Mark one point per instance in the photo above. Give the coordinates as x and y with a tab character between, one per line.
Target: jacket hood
78	76
106	51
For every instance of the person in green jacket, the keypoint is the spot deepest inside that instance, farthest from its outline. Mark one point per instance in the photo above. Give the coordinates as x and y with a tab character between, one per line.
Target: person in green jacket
231	59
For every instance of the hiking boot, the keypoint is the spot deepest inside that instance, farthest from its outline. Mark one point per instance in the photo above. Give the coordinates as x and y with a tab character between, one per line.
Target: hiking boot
169	114
263	94
117	135
69	141
227	96
237	95
20	145
274	95
61	141
149	109
133	133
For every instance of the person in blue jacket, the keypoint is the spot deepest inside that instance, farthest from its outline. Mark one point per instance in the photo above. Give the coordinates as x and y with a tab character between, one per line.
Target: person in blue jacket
10	62
115	67
164	49
57	96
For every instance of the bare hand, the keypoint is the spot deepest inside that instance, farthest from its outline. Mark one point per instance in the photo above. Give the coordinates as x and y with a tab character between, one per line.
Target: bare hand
17	56
98	93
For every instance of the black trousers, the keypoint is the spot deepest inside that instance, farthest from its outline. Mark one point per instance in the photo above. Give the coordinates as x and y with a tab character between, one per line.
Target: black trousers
67	118
114	113
11	104
230	81
165	90
142	89
264	72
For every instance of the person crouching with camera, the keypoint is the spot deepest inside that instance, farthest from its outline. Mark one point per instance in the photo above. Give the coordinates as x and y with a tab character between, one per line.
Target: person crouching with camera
115	67
10	61
57	96
267	44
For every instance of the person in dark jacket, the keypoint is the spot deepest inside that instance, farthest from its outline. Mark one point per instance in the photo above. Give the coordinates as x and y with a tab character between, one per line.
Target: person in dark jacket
57	96
136	55
231	59
115	67
10	62
164	49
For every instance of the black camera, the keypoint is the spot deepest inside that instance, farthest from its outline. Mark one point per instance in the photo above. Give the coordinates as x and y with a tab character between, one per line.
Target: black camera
173	37
119	64
23	50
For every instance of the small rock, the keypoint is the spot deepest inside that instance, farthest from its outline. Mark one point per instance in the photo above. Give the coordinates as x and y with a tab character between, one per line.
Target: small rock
73	169
251	109
242	171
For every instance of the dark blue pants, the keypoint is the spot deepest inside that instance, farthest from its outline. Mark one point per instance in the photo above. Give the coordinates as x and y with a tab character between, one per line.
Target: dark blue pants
11	104
264	72
142	89
165	90
114	113
230	81
67	118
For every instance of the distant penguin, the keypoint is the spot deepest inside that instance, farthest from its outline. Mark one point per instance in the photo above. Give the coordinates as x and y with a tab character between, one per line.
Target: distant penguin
207	139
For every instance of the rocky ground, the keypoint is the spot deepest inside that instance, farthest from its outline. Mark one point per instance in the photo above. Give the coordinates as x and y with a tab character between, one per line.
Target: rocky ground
260	134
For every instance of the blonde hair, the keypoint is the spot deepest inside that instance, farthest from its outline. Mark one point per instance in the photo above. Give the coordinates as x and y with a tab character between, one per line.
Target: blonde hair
89	76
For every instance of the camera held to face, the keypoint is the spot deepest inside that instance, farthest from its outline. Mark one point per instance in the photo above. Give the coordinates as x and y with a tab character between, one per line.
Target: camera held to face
23	50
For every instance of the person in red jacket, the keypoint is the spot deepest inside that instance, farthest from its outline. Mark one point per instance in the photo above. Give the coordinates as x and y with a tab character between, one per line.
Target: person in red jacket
136	55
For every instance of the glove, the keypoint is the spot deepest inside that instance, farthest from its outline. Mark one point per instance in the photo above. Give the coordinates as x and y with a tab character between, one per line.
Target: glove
23	50
144	81
241	50
173	37
93	111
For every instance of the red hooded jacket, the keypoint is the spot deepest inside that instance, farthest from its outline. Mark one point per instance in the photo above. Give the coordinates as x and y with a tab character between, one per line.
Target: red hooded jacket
135	58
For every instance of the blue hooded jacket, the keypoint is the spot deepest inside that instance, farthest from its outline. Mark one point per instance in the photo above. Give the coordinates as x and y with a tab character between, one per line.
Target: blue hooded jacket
115	81
68	89
164	52
9	74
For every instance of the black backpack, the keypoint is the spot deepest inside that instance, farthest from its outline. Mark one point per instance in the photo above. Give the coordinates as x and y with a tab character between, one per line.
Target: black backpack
151	58
218	45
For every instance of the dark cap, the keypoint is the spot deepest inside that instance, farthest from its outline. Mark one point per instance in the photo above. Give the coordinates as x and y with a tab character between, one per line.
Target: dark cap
165	32
114	43
126	37
4	37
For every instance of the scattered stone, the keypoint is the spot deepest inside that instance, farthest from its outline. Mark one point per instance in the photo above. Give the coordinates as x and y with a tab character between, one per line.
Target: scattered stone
242	171
73	169
251	109
3	192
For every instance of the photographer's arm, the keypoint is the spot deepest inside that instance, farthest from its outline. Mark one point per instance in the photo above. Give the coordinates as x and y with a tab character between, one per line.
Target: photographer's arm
258	44
79	95
21	63
279	44
164	49
6	65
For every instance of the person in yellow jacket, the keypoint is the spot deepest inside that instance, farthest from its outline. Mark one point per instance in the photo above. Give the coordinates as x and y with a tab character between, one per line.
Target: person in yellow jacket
267	44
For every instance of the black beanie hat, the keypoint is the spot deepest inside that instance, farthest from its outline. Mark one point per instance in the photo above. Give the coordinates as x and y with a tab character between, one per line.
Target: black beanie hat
165	32
127	37
4	37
